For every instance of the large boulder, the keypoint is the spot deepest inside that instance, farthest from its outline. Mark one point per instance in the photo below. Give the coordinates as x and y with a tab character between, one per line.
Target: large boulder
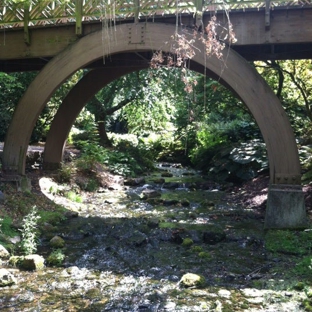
4	254
29	263
6	278
57	242
193	280
148	193
32	262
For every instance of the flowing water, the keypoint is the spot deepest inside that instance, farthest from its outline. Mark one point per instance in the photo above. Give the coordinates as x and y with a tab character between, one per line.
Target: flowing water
125	253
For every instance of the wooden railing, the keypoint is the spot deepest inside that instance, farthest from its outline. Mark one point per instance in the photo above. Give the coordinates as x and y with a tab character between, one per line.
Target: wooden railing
18	13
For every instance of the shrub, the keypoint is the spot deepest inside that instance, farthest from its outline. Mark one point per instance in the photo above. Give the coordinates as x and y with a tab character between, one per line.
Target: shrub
30	232
6	227
56	257
71	195
239	163
65	173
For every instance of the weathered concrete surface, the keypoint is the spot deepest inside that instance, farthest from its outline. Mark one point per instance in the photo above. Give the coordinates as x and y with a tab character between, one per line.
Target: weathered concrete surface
285	207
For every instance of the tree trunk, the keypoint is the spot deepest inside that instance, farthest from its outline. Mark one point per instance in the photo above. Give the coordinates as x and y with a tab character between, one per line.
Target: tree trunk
104	140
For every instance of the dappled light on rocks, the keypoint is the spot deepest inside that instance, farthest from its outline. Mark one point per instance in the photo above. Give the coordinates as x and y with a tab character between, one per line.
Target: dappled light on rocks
196	246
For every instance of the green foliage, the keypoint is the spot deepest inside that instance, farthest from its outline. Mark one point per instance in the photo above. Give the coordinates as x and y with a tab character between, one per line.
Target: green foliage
30	232
91	153
289	242
91	186
165	147
65	173
291	81
239	163
6	227
86	132
51	217
208	146
303	268
196	248
305	154
187	242
307	304
12	87
56	257
204	255
73	196
126	160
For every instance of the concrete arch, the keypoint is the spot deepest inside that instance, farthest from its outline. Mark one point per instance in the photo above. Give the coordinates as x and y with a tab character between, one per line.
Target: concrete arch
235	71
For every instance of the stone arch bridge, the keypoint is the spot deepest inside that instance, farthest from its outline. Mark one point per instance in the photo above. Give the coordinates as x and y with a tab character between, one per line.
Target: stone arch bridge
60	37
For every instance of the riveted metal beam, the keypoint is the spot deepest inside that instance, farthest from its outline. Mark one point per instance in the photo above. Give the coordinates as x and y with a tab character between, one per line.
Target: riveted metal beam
137	34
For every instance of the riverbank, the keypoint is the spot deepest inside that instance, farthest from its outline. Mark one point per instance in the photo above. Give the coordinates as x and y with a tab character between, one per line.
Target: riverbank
126	253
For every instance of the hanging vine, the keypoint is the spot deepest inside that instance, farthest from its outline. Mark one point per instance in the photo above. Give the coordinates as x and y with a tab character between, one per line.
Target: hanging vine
182	48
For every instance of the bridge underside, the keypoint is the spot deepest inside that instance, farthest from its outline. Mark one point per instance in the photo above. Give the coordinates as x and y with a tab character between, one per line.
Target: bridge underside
287	34
262	52
286	206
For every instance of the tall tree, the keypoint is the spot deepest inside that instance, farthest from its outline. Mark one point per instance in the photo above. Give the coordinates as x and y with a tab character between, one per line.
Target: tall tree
140	99
292	82
12	87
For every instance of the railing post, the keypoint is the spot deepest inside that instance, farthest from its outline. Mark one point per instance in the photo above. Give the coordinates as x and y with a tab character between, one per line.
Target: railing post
267	15
199	13
79	13
26	22
136	11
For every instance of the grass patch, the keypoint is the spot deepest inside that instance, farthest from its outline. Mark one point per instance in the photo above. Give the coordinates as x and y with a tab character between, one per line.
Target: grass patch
52	217
73	197
6	227
289	242
303	268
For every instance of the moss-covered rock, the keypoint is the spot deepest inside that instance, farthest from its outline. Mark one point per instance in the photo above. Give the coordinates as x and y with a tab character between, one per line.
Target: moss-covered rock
15	261
57	242
193	280
6	278
148	194
4	254
204	255
187	242
32	262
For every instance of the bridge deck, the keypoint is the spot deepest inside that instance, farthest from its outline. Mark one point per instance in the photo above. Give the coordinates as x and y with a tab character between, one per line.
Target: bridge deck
33	31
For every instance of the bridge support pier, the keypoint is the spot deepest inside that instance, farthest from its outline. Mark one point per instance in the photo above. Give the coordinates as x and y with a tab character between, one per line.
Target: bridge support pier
285	207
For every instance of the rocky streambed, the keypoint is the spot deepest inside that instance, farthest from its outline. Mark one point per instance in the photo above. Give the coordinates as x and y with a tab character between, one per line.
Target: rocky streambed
137	248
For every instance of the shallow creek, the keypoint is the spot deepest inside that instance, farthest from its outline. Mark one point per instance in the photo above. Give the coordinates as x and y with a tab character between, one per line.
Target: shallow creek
125	253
